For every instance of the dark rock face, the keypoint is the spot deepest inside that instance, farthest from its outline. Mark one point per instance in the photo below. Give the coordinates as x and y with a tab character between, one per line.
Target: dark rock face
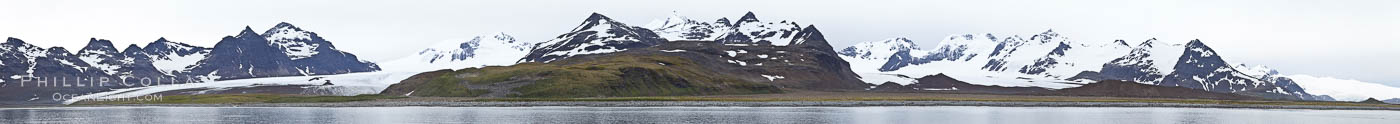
238	57
938	81
899	60
325	60
32	75
945	83
250	55
1049	61
747	18
1133	67
131	62
1089	75
1198	67
811	43
723	21
1201	62
597	34
893	87
1372	101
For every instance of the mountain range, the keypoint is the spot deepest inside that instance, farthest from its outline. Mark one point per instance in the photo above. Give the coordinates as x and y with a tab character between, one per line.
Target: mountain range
1051	60
680	55
284	50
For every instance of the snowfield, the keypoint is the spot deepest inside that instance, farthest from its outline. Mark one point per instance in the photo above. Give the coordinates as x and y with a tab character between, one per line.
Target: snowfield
1344	89
345	85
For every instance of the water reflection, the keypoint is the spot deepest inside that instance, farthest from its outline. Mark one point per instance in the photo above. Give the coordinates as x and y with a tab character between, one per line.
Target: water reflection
951	114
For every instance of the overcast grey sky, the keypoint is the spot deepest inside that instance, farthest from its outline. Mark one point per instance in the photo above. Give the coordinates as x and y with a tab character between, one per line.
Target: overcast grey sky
1349	39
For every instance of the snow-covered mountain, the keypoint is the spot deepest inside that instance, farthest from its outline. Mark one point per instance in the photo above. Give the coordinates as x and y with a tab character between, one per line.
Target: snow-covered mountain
993	60
284	50
498	49
882	52
1051	60
174	58
596	35
599	34
23	65
678	27
749	30
104	56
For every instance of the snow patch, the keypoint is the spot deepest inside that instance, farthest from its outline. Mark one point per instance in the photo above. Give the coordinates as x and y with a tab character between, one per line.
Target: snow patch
741	63
175	63
773	77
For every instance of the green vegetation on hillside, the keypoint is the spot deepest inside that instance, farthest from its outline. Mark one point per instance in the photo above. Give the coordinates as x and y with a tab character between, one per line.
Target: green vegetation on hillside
599	77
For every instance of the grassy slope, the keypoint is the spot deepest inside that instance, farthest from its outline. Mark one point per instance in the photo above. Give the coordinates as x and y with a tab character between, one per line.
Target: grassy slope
602	77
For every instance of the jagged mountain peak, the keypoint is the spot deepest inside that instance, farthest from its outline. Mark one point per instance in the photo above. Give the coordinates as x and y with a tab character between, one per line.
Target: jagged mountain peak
13	41
286	31
1148	43
879	49
1196	42
682	28
597	17
133	51
1047	37
247	32
99	45
594	19
723	21
810	33
284	50
1196	46
596	35
503	36
163	45
132	47
285	25
58	51
1121	42
900	40
161	40
748	17
675	19
1050	32
751	31
1259	71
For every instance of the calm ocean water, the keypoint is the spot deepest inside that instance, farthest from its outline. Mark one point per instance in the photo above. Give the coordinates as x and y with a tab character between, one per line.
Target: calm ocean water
907	115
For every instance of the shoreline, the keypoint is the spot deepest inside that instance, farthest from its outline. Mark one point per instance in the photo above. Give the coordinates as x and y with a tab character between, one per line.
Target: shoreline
752	104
